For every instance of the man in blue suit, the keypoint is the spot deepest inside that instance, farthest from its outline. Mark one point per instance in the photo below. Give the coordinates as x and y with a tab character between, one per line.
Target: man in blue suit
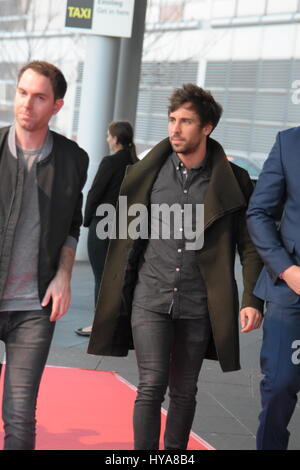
279	285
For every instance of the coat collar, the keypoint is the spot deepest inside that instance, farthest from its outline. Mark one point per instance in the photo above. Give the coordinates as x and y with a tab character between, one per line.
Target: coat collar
223	194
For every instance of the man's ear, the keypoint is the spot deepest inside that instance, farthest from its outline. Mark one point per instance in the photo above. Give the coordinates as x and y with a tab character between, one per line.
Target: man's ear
58	105
208	128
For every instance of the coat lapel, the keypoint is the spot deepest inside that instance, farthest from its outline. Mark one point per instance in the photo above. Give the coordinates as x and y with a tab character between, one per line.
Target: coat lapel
139	178
224	193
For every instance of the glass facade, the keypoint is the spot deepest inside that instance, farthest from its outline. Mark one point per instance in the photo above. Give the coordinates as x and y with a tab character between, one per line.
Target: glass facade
246	53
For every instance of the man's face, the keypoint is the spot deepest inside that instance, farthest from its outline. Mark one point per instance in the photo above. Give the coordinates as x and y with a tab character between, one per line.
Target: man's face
186	133
34	101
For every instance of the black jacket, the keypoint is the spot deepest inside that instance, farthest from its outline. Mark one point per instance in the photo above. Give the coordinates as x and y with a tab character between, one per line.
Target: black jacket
107	182
60	178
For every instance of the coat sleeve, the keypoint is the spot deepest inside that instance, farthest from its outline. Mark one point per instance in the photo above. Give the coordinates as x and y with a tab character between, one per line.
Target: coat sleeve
250	259
269	193
77	215
98	188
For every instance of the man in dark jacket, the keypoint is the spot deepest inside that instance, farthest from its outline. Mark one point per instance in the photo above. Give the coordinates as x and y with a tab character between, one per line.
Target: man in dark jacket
41	178
182	299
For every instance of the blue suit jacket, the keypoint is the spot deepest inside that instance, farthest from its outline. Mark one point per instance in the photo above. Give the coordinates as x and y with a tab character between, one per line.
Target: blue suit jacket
279	247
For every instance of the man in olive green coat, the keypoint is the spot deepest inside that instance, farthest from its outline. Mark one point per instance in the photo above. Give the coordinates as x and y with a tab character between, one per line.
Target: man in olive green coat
182	304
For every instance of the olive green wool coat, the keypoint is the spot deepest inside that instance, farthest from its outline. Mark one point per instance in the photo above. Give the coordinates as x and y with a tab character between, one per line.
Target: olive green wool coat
225	232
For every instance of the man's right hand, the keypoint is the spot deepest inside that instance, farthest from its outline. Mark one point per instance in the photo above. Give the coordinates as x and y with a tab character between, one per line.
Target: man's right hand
292	278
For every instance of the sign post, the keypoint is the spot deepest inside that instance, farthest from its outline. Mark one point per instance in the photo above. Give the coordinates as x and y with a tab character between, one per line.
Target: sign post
104	22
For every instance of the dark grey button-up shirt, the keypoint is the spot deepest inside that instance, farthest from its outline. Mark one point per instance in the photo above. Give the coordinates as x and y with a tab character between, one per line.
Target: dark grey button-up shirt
169	278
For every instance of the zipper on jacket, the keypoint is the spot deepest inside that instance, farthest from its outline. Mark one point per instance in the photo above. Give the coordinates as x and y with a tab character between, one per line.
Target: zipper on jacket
8	222
6	226
170	308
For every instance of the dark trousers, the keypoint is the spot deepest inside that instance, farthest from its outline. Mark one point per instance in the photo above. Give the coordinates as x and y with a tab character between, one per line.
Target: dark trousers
27	336
97	250
169	353
281	382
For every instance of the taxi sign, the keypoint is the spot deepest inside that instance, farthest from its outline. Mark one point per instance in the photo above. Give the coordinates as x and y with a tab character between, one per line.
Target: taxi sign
100	17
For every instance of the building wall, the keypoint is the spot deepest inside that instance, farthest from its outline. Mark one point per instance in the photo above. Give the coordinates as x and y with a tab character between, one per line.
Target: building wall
246	53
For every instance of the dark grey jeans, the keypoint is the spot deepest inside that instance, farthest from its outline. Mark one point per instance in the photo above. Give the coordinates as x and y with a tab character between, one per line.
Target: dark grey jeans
169	353
27	336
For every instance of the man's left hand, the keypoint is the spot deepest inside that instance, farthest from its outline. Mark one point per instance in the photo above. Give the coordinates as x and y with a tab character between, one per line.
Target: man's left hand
251	319
60	291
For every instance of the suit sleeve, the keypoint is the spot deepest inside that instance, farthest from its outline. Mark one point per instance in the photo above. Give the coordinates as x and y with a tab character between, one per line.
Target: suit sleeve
98	188
269	193
250	260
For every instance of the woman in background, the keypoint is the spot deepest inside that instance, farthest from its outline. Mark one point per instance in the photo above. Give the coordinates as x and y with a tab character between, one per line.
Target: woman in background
105	189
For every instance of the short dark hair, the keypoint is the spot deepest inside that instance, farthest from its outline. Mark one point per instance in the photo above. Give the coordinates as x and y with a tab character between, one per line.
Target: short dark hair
56	77
202	102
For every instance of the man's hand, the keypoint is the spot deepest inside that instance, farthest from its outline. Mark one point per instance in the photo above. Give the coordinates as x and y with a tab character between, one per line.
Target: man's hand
59	289
292	278
251	319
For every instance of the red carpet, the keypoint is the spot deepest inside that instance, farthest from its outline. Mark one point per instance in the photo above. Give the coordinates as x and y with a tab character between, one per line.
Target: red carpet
82	409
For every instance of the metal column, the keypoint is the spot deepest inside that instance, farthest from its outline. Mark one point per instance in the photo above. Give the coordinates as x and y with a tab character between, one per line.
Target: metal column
96	107
129	67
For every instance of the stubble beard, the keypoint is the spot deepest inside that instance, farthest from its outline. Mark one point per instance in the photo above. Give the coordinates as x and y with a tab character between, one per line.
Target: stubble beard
179	148
24	123
29	125
183	148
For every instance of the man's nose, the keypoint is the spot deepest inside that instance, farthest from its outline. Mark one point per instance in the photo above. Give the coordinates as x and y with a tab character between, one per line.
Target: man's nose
28	101
176	128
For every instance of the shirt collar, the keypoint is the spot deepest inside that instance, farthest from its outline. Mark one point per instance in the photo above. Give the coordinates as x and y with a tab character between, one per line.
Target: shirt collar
177	162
